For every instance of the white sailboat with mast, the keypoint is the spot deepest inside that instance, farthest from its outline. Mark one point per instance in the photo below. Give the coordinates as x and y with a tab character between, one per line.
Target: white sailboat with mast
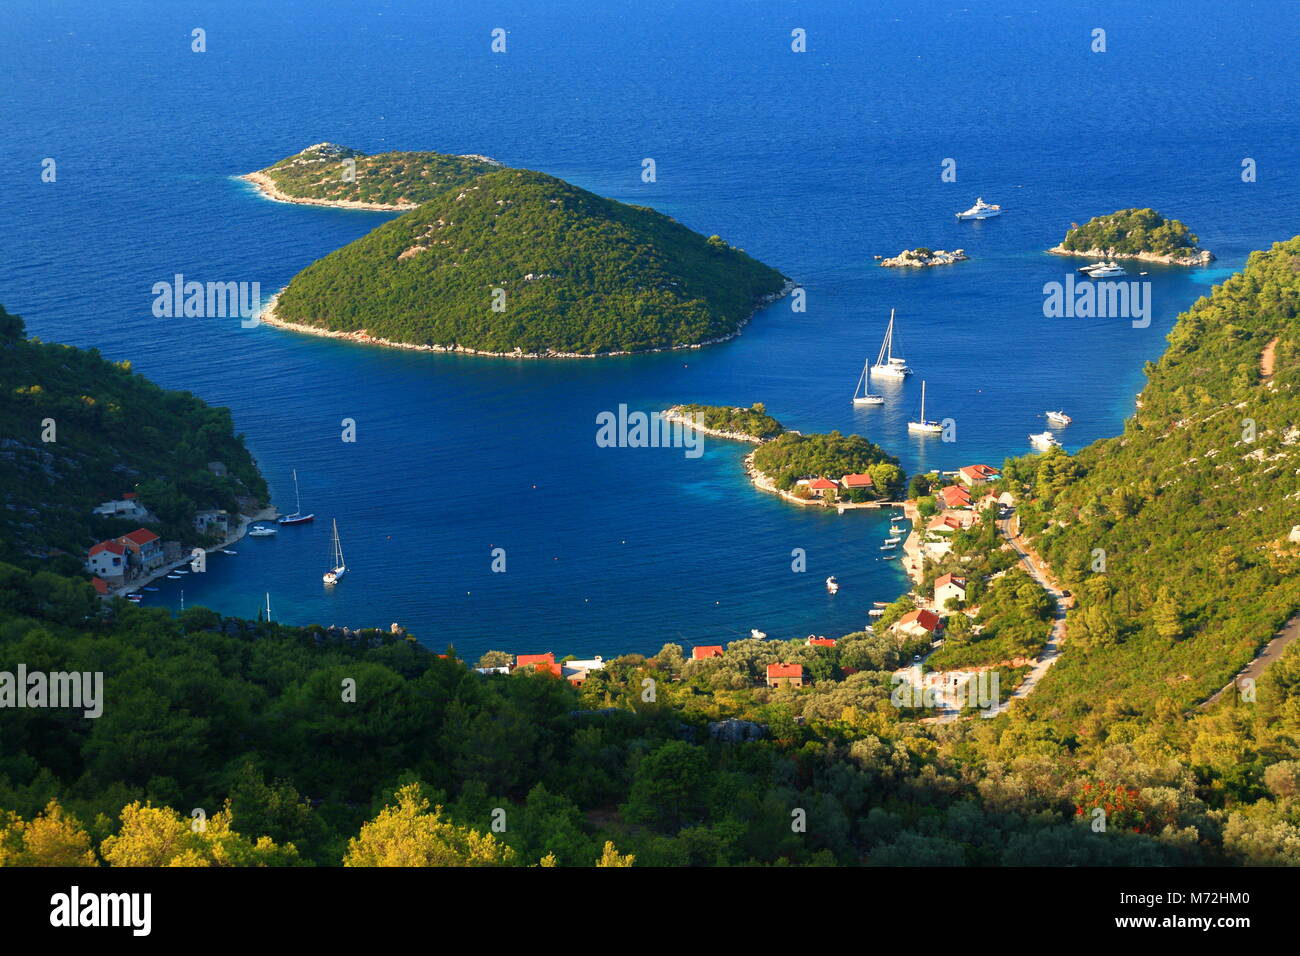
923	425
888	365
297	517
866	398
340	568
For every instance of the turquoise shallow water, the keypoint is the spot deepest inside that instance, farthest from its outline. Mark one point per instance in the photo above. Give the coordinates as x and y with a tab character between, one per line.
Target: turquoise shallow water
812	162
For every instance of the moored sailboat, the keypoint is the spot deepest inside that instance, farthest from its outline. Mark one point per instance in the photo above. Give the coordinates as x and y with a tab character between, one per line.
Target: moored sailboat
297	517
888	365
866	398
340	568
924	425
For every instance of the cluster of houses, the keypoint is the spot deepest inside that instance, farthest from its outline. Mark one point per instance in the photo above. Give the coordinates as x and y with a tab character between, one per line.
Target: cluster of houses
118	561
574	671
818	487
960	506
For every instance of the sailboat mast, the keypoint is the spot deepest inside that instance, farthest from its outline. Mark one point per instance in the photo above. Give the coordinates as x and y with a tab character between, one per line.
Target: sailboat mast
922	403
889	336
296	497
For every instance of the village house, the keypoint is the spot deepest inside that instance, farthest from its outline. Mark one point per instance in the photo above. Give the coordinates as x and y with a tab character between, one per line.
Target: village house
851	482
541	662
128	506
100	586
954	496
819	487
951	521
575	671
144	550
947	587
978	474
212	521
705	651
107	560
790	674
820	641
919	623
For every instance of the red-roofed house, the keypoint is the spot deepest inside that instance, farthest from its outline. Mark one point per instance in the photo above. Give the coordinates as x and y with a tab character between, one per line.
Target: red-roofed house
955	496
821	642
143	548
856	481
978	474
778	674
705	651
948	586
100	586
541	662
819	486
107	560
919	623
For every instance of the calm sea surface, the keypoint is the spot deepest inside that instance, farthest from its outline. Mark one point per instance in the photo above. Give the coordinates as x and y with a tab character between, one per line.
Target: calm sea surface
812	162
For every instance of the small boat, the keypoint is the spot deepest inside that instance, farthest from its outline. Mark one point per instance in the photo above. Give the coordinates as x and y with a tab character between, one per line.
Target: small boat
262	531
889	557
832	585
1059	418
1105	270
876	612
981	210
888	365
1144	273
182	571
297	517
340	568
880	603
866	398
1044	441
756	634
892	540
173	577
924	425
224	551
888	547
895	529
151	589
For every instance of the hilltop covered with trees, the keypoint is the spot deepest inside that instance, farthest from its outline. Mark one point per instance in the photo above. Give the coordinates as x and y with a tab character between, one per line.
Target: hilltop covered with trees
792	456
331	173
746	424
1134	233
111	432
518	261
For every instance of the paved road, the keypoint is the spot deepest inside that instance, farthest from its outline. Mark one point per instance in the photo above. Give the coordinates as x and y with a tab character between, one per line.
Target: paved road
1271	652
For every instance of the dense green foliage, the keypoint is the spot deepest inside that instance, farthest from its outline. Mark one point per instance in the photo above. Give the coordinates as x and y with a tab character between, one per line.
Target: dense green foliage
578	274
1133	231
1014	621
793	456
754	421
390	179
1173	535
113	432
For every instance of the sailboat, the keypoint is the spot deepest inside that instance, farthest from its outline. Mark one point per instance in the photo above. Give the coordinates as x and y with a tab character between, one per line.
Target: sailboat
297	517
887	364
267	612
924	425
340	568
866	398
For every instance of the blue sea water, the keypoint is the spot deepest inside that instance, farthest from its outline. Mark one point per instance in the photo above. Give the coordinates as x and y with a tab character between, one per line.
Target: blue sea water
812	162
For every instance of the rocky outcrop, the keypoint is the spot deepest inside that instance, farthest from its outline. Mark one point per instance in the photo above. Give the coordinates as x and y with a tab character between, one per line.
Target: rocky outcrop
921	257
734	731
1202	257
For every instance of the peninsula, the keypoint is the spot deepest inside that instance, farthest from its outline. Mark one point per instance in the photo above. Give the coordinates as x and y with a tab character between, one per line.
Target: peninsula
1134	234
753	424
521	264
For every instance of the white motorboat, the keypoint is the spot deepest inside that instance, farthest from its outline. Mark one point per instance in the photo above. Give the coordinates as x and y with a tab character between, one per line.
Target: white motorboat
892	540
895	529
1044	441
262	531
832	585
981	210
1105	270
876	612
1059	418
340	568
924	425
756	634
889	365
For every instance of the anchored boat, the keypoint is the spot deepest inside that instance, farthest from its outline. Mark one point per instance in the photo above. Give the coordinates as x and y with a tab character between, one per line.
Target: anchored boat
340	568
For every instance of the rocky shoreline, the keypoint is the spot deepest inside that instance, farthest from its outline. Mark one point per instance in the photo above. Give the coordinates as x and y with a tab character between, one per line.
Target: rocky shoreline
268	316
918	258
1202	258
674	414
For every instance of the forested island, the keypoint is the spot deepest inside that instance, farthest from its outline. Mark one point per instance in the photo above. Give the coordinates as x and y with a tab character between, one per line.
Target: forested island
751	424
793	458
510	262
331	175
79	429
1134	234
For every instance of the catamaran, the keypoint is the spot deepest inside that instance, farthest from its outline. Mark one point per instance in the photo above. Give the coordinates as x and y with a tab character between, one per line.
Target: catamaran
981	210
887	364
297	517
924	425
329	577
866	398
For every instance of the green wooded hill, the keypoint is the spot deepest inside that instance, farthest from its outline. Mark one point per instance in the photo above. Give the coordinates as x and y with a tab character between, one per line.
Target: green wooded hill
114	432
384	178
1188	511
1132	232
792	456
580	274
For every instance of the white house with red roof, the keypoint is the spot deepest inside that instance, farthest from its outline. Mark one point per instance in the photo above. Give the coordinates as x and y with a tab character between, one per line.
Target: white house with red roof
954	496
778	674
978	474
850	482
947	587
919	623
143	548
107	560
819	486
